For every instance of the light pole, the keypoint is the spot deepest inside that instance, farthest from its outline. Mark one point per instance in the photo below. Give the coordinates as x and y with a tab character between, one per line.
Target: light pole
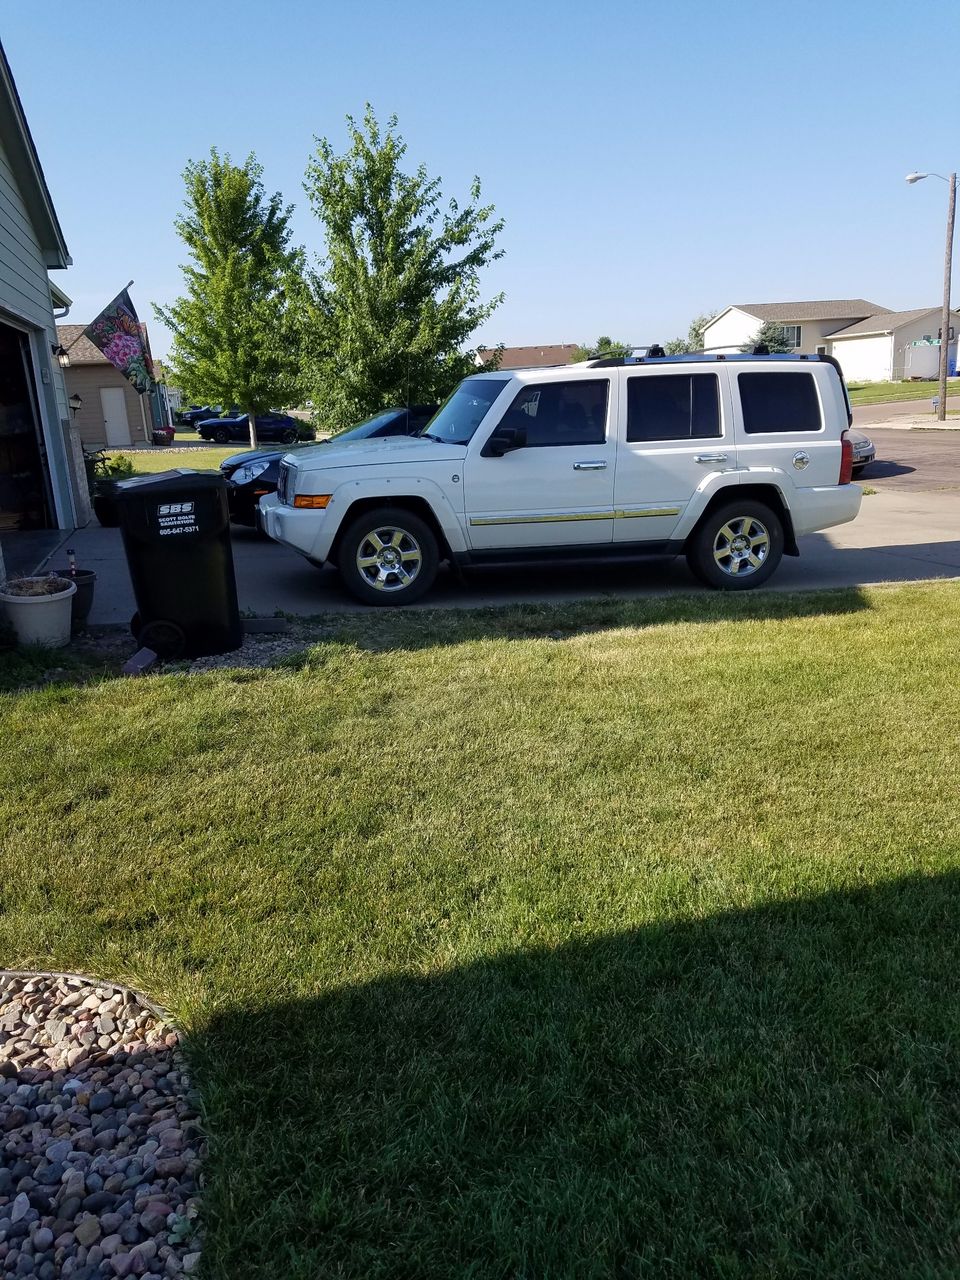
951	182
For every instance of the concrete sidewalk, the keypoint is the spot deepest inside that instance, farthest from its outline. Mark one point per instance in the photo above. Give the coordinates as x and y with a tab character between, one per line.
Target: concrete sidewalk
899	536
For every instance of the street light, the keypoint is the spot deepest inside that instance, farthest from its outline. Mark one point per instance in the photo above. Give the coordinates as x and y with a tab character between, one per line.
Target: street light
951	182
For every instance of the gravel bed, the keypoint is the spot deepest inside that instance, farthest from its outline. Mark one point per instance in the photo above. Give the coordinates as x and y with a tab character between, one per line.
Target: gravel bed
100	1145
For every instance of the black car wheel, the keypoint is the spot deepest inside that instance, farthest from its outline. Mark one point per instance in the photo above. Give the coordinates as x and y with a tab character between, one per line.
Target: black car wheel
221	435
289	436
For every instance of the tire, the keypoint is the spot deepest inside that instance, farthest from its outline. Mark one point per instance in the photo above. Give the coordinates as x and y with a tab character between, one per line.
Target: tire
736	547
221	435
289	436
409	542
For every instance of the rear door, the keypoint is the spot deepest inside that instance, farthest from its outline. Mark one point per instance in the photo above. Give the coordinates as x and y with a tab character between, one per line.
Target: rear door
677	433
782	424
557	490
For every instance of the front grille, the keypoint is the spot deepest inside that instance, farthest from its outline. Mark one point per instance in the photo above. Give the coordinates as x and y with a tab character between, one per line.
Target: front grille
283	484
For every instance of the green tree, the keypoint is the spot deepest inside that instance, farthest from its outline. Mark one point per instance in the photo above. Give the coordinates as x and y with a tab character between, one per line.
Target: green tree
603	346
694	339
771	335
236	329
398	294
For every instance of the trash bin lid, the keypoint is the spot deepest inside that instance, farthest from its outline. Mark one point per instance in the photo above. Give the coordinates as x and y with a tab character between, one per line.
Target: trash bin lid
181	479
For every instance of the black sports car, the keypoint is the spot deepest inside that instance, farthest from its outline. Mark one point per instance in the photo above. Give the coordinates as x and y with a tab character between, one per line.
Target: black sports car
252	474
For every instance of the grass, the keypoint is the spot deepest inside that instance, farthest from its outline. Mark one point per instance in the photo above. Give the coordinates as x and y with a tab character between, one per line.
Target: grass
149	462
580	941
882	392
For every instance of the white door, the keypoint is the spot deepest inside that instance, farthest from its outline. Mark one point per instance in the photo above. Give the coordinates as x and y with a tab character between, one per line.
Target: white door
113	400
678	432
556	488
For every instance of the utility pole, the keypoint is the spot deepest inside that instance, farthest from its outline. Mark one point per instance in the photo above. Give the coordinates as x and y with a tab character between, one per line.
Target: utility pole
945	321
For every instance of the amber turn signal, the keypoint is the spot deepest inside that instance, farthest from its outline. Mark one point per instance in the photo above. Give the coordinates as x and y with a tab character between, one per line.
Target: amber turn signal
312	501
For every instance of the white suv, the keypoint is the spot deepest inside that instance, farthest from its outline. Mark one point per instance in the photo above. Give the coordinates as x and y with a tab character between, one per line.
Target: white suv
725	459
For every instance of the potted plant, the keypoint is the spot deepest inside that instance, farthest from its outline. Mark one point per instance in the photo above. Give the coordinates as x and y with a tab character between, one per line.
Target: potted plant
84	580
102	476
38	609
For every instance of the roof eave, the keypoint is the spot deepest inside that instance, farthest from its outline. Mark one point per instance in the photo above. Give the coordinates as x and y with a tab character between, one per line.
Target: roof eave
28	172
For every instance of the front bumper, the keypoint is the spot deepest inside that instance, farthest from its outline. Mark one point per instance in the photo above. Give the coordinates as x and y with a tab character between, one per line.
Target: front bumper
305	531
864	457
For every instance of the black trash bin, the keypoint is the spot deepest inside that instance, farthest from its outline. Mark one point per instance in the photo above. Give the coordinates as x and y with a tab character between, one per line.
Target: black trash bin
176	533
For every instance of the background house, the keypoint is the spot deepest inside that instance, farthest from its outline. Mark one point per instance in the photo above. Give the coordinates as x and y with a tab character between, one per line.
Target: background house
807	325
112	414
528	357
881	347
42	479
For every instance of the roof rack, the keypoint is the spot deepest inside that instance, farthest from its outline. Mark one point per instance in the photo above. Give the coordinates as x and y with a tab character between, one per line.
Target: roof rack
653	353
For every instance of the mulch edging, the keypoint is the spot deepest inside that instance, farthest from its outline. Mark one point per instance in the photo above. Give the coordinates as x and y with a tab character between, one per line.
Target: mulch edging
100	1143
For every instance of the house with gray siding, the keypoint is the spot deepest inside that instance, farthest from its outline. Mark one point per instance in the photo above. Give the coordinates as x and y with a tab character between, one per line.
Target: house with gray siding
42	482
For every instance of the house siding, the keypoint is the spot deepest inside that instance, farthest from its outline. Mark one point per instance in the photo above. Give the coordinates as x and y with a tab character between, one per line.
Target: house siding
731	331
25	302
903	337
85	380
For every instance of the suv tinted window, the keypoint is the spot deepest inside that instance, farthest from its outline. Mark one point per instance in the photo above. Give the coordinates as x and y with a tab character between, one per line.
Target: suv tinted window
779	402
559	413
673	407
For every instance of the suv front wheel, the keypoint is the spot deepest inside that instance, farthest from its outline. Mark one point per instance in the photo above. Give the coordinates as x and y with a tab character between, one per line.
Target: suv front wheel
388	556
737	546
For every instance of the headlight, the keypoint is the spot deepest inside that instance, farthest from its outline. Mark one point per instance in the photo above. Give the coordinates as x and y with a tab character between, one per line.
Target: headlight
249	471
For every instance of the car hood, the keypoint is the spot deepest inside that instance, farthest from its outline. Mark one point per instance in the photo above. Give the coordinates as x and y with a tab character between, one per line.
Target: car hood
249	455
857	437
368	453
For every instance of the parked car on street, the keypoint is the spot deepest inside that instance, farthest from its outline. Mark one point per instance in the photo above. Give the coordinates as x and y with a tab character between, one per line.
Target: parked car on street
724	459
864	451
252	475
280	427
197	413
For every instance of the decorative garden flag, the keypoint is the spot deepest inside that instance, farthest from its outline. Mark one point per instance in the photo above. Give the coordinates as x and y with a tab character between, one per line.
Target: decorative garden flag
117	332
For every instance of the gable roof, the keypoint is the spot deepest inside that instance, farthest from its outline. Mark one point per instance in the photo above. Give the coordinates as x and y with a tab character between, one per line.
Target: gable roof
828	309
887	321
529	357
81	350
25	165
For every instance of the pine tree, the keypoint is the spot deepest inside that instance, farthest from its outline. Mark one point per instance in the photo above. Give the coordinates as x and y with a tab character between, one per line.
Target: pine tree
398	294
236	328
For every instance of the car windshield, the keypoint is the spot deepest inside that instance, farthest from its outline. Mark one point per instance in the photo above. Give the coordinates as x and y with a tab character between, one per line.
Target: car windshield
459	416
369	427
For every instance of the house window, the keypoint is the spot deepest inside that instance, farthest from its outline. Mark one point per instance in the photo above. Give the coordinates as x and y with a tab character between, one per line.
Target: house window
779	402
673	407
791	334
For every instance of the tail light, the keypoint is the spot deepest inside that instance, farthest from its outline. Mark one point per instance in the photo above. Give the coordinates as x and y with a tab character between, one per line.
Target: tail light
846	459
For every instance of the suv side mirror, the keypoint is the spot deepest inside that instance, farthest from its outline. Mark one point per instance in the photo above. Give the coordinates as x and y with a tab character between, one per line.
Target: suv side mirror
505	440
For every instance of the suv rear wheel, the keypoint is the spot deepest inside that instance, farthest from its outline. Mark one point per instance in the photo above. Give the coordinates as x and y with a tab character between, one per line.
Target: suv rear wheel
737	546
388	556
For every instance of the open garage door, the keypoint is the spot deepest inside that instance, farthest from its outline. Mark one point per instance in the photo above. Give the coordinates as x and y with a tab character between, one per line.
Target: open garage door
25	500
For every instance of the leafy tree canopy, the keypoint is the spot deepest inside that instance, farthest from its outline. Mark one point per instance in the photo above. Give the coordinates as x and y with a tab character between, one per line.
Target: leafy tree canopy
399	292
603	346
236	329
771	335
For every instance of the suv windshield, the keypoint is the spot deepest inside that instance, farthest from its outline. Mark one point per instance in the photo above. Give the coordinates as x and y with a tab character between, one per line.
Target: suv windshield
459	416
363	430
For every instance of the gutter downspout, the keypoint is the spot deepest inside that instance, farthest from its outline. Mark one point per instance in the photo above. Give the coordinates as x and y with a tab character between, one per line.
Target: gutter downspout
143	419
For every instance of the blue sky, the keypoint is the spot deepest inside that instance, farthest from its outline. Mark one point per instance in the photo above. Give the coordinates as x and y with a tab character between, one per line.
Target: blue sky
651	160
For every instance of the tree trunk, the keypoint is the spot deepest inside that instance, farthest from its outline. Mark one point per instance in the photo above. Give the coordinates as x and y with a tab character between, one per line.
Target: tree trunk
252	423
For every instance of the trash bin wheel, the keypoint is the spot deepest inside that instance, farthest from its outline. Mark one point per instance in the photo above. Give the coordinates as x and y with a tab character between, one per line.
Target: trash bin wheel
166	639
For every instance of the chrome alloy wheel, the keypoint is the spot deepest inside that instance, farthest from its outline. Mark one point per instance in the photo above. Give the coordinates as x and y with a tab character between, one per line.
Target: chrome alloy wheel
741	546
389	559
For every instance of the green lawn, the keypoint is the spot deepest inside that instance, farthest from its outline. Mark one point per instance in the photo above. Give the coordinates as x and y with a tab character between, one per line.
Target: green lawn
610	940
148	462
882	392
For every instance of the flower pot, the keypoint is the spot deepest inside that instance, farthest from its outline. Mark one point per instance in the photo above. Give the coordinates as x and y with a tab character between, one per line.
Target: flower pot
106	510
42	619
83	600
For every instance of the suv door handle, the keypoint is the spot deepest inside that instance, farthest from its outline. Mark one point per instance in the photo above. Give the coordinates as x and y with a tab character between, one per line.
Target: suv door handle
590	466
709	457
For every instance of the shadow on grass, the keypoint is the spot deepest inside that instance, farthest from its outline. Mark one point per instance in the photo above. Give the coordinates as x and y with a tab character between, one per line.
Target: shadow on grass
381	629
767	1092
